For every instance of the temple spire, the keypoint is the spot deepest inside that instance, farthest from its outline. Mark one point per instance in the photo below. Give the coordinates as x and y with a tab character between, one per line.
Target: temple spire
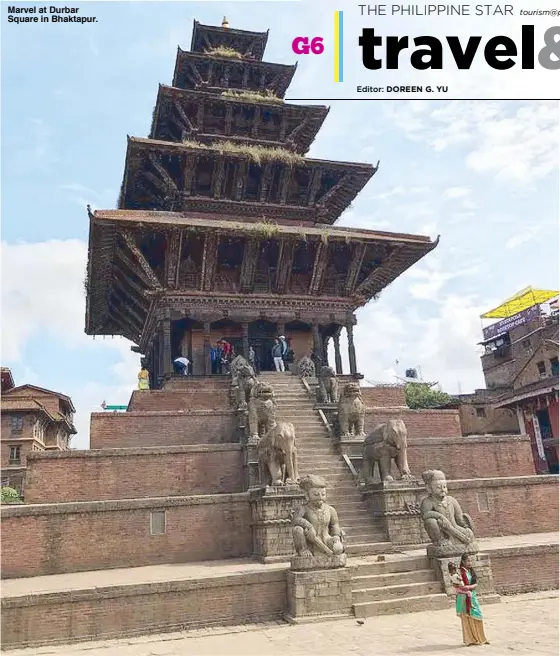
225	22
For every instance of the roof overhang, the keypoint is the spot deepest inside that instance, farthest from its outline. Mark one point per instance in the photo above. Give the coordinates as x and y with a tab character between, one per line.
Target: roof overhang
517	398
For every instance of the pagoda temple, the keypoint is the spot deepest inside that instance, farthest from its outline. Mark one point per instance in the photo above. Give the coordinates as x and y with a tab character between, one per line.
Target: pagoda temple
225	228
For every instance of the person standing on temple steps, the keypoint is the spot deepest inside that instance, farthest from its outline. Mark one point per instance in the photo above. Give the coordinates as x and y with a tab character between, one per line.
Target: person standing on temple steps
277	355
182	365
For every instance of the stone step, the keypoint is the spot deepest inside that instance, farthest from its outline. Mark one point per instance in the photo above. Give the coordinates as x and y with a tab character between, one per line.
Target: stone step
395	578
407	605
368	548
392	566
400	591
364	538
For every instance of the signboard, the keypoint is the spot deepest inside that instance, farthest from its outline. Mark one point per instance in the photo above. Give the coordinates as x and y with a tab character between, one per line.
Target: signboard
505	325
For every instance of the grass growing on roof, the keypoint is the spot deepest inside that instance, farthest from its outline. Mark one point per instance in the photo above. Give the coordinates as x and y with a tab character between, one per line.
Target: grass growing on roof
265	229
224	51
258	154
255	96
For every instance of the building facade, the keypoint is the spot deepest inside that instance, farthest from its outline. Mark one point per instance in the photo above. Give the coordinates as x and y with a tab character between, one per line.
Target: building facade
225	227
32	419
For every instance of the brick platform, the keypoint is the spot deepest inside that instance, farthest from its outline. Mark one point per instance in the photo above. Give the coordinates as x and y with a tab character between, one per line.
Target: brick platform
420	423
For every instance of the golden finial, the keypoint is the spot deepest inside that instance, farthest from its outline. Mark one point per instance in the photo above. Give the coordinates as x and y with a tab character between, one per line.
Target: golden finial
225	22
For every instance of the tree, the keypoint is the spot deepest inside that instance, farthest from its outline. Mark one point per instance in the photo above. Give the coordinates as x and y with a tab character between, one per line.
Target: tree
421	395
9	495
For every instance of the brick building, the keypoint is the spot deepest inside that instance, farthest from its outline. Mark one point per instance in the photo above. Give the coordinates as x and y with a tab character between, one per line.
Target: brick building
32	419
520	366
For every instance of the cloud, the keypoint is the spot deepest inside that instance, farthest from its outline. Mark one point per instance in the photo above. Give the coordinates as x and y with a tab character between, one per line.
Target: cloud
457	192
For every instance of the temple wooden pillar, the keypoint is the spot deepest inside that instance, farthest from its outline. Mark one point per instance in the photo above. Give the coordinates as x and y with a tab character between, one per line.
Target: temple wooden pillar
207	345
351	348
317	341
245	338
281	327
337	357
167	363
326	341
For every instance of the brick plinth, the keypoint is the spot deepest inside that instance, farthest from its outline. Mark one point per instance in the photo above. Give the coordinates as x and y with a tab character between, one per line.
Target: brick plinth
525	569
134	473
492	503
110	430
73	537
481	563
319	594
396	505
420	423
271	511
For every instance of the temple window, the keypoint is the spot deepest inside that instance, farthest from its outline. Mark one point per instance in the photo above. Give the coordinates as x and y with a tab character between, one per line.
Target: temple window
157	522
15	455
16	423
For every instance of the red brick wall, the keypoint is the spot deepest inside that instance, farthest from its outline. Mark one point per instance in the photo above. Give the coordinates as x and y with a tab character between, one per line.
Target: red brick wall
515	505
54	539
516	570
150	608
203	398
139	429
420	423
472	457
382	396
134	473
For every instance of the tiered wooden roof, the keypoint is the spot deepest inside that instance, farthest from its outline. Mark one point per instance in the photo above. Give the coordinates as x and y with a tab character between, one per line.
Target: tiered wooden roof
138	257
250	45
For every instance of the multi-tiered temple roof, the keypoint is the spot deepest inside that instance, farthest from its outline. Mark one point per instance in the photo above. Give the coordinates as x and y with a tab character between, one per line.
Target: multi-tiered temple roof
221	214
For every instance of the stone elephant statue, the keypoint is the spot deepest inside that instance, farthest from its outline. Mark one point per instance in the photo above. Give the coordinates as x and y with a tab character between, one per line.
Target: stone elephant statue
385	444
277	455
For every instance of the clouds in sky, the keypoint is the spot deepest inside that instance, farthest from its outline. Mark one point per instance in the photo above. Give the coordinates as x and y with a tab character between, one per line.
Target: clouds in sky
484	175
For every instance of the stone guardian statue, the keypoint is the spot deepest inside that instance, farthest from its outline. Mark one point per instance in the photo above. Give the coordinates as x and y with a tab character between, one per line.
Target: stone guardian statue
448	527
328	386
351	411
385	444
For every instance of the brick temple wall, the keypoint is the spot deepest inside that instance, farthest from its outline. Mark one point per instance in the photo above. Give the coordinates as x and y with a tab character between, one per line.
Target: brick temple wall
203	398
381	396
149	608
73	537
517	570
420	423
134	473
110	430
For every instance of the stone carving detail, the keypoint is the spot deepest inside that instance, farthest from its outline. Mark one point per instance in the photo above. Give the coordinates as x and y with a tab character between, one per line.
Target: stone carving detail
412	507
243	380
306	368
328	386
351	411
385	444
318	538
262	410
277	455
448	527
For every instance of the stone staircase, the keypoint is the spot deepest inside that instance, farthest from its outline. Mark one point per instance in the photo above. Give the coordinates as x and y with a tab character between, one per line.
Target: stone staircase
317	455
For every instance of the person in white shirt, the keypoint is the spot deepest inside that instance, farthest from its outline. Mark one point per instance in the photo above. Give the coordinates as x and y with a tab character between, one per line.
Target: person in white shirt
182	365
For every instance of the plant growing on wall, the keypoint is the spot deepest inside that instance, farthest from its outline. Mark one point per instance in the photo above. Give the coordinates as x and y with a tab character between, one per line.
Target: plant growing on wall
258	154
253	96
9	495
224	51
421	396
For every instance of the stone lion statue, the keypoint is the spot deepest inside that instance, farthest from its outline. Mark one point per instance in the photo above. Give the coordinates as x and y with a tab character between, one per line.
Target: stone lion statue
243	380
277	455
328	386
351	411
262	410
385	444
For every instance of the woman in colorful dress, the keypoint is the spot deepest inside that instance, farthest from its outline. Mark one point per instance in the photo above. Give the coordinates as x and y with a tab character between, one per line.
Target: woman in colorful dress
144	379
468	608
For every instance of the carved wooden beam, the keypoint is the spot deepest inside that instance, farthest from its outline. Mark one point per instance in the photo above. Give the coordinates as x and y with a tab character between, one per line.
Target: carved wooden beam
188	126
300	127
284	265
123	258
265	181
131	290
355	265
256	122
319	267
173	257
128	309
285	184
142	261
248	266
240	179
191	160
155	180
314	184
283	127
168	180
368	285
124	319
229	118
245	79
332	191
200	116
197	76
217	178
209	261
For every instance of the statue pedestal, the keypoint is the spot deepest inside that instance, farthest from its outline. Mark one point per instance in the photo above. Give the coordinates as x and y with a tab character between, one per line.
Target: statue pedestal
319	561
271	512
397	505
482	565
318	595
450	550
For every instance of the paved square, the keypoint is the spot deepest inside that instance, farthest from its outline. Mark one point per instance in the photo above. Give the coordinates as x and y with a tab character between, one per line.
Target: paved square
524	624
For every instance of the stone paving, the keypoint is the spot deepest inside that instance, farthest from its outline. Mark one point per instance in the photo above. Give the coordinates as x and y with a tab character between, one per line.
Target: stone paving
523	624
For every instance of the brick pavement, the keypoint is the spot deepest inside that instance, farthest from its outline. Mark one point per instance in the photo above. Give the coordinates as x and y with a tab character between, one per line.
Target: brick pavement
524	624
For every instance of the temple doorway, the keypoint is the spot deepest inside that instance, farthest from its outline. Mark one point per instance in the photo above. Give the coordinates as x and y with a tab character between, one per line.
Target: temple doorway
261	337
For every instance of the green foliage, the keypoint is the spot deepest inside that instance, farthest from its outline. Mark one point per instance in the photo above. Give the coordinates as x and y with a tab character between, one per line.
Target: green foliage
253	96
224	51
9	495
421	395
264	229
258	154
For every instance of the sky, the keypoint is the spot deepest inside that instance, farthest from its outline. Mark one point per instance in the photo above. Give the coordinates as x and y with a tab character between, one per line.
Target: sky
482	174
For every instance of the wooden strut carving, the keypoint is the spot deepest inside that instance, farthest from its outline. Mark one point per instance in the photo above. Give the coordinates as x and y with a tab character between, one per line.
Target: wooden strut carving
185	123
197	76
123	258
209	261
355	266
319	267
248	266
367	285
285	261
144	265
164	175
173	258
265	182
127	324
314	185
191	160
217	179
301	127
123	283
332	191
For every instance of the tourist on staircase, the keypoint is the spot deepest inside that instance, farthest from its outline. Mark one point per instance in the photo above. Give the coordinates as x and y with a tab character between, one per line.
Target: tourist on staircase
277	355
